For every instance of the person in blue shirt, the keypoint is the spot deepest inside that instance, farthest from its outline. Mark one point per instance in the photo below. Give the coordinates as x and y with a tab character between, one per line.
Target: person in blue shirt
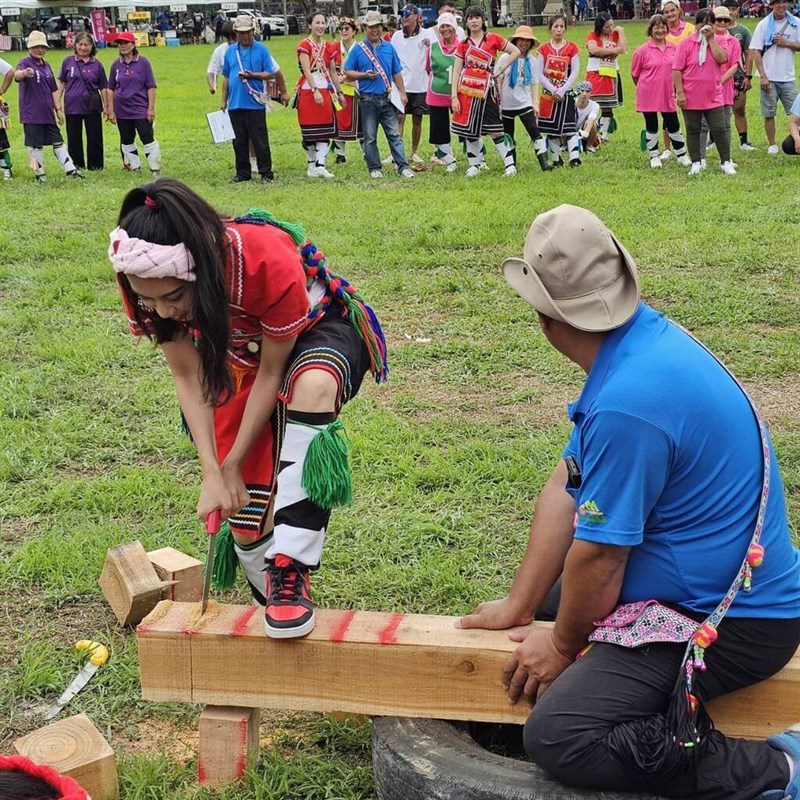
247	68
374	63
666	524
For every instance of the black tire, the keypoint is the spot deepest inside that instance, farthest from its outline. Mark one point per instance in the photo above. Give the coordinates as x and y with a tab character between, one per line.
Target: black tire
431	759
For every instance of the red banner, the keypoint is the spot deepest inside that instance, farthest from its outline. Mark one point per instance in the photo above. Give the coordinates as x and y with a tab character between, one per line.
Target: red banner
99	29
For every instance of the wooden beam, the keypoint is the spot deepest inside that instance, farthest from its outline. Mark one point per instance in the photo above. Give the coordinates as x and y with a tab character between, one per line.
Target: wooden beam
76	748
379	664
228	744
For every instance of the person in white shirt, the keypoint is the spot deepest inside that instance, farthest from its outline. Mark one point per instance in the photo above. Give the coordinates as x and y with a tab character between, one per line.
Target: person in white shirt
412	42
6	79
589	113
218	56
519	96
774	43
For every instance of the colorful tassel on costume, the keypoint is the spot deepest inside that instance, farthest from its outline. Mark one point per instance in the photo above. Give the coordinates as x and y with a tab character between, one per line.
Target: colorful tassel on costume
338	289
225	560
326	470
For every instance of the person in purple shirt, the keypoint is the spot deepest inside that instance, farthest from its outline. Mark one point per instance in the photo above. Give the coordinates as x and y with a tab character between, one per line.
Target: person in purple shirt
39	109
82	83
131	105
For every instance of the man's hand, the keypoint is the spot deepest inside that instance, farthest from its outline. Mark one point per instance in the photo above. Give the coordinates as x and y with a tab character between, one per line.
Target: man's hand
495	615
404	99
763	82
535	664
781	41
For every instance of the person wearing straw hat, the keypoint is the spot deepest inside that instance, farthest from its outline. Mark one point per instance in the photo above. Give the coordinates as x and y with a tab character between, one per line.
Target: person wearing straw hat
40	109
668	462
519	96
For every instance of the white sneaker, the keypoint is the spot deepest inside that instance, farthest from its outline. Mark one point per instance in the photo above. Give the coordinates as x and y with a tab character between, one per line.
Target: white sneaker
655	162
387	160
313	171
323	173
667	155
376	173
416	159
254	165
702	163
406	173
728	168
452	167
746	146
684	161
696	169
472	172
484	166
773	149
510	171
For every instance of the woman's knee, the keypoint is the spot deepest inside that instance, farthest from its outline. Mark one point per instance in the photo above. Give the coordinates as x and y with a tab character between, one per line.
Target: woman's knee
314	390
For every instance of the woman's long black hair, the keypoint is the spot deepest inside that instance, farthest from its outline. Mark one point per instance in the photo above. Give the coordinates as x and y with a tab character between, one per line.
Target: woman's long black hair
600	21
21	786
181	215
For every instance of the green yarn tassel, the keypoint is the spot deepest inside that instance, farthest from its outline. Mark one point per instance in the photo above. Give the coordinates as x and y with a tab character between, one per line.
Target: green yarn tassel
643	141
326	470
612	125
296	231
225	560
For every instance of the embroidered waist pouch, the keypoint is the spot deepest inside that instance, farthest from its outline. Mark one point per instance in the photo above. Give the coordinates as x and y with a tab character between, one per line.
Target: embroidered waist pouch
645	622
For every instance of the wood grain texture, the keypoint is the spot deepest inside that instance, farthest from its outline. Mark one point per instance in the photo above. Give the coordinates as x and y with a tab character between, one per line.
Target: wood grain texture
182	572
228	744
379	664
76	748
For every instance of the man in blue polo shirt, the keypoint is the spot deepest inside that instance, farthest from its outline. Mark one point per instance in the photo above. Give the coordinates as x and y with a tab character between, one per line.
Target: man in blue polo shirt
375	65
648	520
246	69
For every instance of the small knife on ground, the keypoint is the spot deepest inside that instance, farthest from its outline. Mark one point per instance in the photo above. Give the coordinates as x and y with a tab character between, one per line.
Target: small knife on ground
98	656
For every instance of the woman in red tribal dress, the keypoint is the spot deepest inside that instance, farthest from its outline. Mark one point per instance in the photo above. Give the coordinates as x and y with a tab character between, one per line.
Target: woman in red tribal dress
265	345
559	65
318	95
604	44
476	102
348	125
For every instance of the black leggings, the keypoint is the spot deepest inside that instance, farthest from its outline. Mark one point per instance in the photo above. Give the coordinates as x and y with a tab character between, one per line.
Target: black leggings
128	128
669	120
439	125
526	117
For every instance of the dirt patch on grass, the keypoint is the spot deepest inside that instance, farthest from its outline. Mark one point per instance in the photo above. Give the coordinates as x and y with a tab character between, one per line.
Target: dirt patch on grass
779	402
178	740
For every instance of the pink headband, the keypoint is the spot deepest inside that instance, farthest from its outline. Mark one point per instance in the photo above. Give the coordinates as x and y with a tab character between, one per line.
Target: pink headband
68	787
147	260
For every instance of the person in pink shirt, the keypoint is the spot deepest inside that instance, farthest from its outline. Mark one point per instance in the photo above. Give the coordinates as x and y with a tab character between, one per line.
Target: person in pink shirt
697	74
651	70
722	22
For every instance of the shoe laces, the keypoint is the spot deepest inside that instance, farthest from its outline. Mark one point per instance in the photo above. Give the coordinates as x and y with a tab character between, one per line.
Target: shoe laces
287	581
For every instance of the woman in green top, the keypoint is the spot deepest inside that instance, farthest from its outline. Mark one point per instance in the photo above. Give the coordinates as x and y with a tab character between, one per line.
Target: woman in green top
440	71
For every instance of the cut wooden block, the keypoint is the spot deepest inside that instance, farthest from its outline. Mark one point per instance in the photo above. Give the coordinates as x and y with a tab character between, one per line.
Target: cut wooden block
228	744
184	573
76	748
130	583
380	664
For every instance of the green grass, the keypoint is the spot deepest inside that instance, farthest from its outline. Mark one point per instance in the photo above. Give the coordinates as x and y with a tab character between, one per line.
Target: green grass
448	457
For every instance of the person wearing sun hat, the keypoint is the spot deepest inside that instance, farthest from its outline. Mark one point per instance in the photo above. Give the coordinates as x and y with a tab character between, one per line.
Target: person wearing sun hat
40	109
518	99
643	493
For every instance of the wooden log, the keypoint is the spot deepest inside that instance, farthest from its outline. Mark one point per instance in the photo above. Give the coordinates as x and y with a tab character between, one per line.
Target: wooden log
379	664
130	583
228	744
76	748
182	572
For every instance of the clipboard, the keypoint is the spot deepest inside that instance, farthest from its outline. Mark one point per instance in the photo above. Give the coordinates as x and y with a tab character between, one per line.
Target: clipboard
219	124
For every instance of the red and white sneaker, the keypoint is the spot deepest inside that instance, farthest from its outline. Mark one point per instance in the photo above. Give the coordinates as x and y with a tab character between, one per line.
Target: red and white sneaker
289	612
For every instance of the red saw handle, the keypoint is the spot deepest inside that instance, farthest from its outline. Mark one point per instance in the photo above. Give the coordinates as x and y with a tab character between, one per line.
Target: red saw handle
213	521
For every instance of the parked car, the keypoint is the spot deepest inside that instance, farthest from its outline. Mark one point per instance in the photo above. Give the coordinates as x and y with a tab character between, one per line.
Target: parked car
277	25
385	11
51	30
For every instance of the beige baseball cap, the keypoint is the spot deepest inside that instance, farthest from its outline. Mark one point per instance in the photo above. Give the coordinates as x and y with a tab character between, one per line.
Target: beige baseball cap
720	12
576	271
372	18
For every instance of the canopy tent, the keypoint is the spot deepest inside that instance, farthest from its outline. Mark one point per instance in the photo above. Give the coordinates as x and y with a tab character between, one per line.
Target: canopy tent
89	4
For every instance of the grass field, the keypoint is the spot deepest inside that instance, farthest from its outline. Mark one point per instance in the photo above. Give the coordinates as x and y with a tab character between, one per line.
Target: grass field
447	457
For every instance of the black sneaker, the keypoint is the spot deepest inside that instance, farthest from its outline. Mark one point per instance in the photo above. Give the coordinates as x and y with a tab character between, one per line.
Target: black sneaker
340	159
76	176
268	178
574	162
239	179
289	611
40	178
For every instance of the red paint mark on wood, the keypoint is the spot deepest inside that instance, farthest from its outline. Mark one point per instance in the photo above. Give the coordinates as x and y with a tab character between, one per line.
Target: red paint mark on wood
338	633
240	626
143	629
389	634
201	773
241	762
